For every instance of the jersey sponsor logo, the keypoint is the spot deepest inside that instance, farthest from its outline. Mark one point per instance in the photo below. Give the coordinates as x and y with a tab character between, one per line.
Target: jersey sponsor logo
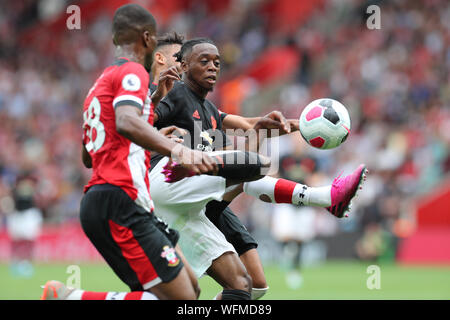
196	115
131	82
205	135
204	148
170	255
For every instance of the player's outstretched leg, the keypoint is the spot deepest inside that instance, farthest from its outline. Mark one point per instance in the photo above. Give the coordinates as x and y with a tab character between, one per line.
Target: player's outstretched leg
56	290
234	165
335	198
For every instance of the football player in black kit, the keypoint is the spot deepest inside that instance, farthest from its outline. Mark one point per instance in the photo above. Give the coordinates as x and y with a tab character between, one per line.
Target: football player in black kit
186	107
224	219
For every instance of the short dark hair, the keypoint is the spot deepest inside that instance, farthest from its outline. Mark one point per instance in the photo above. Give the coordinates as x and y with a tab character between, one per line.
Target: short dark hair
169	39
129	21
186	48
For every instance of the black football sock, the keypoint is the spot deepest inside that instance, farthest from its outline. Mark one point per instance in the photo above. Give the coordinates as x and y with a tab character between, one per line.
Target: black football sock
235	294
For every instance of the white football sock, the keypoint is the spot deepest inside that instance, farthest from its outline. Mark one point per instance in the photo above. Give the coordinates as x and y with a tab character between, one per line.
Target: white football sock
286	191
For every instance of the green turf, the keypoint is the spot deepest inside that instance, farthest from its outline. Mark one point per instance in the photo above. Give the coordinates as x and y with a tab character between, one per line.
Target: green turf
333	280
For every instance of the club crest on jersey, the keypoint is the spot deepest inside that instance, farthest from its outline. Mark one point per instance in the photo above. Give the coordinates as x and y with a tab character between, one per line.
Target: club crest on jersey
170	255
131	82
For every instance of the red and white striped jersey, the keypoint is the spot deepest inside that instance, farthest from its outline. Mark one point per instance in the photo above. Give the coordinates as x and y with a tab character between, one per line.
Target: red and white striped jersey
115	159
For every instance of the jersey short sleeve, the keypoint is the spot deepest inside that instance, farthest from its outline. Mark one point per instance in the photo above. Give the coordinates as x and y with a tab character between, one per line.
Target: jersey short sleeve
130	85
164	110
222	115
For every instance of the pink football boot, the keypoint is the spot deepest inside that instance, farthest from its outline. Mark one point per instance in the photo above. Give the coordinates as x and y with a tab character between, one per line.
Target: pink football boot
344	189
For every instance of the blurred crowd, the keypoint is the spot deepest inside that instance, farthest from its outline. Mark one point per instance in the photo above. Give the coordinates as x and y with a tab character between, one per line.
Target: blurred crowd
395	82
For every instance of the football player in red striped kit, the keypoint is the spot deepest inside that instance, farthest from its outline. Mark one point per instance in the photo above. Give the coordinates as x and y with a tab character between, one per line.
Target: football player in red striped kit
116	211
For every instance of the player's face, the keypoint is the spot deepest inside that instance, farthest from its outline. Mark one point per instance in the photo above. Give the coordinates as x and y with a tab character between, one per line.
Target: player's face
203	65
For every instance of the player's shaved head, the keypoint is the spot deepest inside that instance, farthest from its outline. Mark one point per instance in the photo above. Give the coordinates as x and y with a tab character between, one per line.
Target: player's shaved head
129	22
186	48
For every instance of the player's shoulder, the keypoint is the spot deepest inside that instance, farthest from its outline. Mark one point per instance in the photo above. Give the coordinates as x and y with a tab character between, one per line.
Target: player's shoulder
124	64
131	76
211	106
124	67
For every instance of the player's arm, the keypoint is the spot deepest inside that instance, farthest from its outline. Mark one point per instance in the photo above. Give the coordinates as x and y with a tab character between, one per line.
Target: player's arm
165	84
231	121
174	133
294	124
271	121
130	125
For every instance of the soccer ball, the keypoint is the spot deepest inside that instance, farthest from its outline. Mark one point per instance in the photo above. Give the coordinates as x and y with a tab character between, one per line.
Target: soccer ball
325	123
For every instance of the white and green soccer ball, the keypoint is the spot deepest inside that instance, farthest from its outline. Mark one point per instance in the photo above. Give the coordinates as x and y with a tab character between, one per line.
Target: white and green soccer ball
325	123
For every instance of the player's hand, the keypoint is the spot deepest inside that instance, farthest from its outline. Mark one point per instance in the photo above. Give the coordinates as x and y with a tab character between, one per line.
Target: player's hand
200	162
187	163
273	120
174	133
196	161
165	84
294	124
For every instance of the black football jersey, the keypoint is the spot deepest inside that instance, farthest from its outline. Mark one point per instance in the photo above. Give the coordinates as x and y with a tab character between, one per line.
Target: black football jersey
200	117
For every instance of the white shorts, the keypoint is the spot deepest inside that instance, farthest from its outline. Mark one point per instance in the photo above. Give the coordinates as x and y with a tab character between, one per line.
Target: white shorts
182	205
24	225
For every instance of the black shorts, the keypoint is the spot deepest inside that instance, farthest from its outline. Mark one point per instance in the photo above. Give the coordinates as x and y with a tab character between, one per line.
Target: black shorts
137	245
229	224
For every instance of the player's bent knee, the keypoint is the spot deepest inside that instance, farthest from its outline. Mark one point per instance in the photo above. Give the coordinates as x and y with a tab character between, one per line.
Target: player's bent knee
241	281
245	282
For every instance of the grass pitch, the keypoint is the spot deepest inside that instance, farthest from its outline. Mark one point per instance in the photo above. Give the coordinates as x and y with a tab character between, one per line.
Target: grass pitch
329	281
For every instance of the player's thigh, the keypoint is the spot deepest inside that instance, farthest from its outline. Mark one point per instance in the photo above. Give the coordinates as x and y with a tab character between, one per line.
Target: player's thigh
231	226
201	242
